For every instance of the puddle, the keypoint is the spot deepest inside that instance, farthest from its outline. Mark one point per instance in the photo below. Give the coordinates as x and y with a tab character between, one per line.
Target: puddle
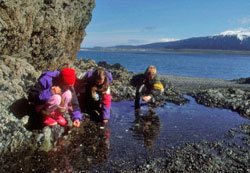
132	139
173	125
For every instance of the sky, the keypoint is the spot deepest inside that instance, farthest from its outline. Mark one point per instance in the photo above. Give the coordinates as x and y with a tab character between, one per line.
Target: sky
137	22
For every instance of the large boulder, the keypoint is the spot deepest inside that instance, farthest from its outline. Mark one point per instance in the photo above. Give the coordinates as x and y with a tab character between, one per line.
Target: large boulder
16	75
48	33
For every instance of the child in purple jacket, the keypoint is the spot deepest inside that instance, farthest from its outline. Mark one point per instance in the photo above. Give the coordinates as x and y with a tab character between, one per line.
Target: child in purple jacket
95	97
53	95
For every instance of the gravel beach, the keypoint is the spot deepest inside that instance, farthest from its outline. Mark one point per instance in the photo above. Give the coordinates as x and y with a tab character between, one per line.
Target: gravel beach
186	85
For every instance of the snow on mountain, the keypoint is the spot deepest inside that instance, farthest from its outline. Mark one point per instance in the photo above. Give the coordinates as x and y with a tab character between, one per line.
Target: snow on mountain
241	33
229	40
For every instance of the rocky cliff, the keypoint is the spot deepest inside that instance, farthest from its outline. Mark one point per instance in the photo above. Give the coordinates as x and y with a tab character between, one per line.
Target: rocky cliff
48	33
35	35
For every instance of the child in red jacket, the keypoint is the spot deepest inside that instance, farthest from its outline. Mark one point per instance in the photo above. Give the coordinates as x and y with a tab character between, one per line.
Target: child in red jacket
53	95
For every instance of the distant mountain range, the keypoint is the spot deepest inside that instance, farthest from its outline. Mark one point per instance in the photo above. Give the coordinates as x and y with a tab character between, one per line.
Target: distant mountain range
229	40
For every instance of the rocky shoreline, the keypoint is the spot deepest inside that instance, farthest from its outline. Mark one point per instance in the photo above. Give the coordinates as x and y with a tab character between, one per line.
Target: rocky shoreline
41	35
227	94
17	133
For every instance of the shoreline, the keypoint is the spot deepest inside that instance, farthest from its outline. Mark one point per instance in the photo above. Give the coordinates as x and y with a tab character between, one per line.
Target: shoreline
175	51
185	85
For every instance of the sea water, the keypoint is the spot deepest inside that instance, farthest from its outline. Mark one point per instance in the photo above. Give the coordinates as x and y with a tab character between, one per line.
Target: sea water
222	66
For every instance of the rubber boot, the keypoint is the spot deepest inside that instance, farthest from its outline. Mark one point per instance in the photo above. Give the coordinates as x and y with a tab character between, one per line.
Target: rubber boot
60	120
49	121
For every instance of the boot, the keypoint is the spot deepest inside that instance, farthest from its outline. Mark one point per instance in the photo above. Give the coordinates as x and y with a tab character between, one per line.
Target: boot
60	120
49	121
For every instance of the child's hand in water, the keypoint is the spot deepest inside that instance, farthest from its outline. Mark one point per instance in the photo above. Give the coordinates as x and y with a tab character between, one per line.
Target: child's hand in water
56	90
146	98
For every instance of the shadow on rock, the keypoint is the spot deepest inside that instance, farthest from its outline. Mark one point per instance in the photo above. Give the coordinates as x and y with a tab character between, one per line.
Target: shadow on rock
25	112
20	108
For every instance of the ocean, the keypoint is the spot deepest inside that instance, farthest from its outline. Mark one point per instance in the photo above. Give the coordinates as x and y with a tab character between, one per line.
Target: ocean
221	66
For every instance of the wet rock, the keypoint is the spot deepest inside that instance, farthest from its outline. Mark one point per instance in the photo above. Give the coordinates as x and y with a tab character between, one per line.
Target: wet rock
242	80
174	97
25	120
46	139
229	98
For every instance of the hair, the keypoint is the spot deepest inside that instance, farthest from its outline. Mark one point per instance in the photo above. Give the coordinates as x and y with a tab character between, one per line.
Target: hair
151	71
100	74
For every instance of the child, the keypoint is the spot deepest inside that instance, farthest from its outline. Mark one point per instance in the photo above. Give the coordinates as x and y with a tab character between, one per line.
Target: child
53	95
147	85
95	98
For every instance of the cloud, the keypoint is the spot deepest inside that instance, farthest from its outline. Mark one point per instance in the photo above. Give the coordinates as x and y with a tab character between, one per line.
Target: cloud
167	39
244	20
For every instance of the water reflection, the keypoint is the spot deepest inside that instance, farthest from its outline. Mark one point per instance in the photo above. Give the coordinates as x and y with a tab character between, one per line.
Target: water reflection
89	146
146	125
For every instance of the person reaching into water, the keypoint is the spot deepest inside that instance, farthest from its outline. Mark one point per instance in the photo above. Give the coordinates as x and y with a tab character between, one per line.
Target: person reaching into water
53	95
94	91
148	86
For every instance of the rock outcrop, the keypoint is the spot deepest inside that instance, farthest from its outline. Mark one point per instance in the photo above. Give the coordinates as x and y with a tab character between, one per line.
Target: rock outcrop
229	98
16	76
35	36
44	32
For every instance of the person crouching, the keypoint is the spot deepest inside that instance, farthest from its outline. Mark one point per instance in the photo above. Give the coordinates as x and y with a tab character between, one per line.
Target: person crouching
53	95
95	98
148	86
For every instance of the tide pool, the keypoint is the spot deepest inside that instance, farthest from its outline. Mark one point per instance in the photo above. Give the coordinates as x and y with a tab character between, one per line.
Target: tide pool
131	140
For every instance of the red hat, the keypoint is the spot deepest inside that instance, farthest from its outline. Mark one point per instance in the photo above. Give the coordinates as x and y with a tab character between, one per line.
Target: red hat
67	76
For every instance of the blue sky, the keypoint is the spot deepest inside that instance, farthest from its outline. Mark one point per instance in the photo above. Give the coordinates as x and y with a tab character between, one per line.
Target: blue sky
135	22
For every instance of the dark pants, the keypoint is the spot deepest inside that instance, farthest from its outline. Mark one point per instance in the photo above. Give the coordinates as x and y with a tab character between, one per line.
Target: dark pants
89	105
140	91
